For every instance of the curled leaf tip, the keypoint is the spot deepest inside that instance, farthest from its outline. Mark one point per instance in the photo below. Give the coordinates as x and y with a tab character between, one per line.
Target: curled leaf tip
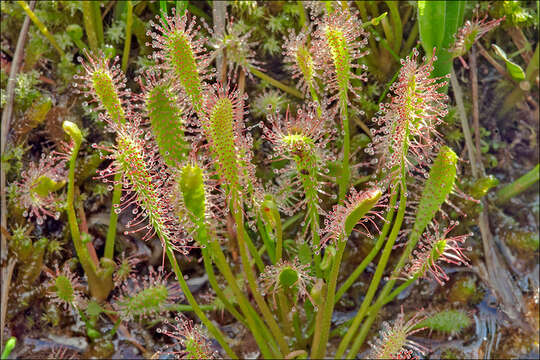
357	209
73	131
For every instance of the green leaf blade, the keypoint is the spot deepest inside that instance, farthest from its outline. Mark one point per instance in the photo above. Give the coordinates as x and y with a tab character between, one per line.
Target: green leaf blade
431	15
440	183
515	71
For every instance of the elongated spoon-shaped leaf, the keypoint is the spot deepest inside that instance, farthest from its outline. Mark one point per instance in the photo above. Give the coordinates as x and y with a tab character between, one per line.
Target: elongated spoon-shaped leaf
184	57
105	83
191	183
166	120
440	183
448	322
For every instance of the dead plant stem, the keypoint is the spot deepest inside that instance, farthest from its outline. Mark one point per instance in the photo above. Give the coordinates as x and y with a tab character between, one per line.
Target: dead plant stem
6	119
475	111
7	269
458	95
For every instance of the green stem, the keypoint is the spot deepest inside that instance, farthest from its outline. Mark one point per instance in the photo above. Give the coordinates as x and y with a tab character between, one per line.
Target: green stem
276	83
361	180
89	25
377	276
255	323
292	220
388	33
127	42
113	218
367	260
396	292
301	14
374	310
253	250
384	295
267	236
186	307
413	35
315	97
387	46
80	44
363	333
345	171
370	311
298	331
518	186
279	241
196	308
215	286
397	25
465	124
72	218
316	240
41	27
98	23
100	286
261	303
317	329
319	351
284	309
309	183
532	68
267	338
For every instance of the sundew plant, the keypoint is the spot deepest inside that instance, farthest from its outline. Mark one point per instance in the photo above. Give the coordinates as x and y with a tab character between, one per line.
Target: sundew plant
185	140
270	202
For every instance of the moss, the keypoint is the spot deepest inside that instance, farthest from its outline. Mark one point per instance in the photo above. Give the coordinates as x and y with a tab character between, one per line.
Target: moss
34	50
451	354
65	70
464	290
522	241
481	186
25	89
